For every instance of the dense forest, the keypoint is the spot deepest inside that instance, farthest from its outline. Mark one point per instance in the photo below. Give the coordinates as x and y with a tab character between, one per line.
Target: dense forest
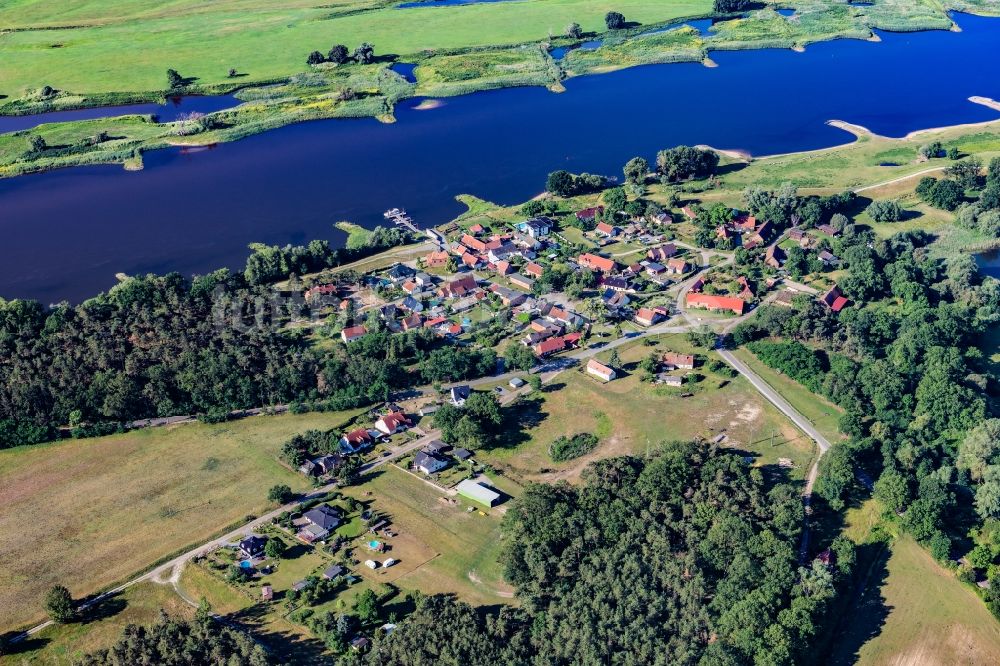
685	557
155	346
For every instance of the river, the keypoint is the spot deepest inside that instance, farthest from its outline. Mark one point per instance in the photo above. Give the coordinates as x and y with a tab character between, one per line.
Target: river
66	233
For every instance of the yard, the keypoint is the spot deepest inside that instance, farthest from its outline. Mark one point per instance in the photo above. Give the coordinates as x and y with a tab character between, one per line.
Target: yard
631	417
93	512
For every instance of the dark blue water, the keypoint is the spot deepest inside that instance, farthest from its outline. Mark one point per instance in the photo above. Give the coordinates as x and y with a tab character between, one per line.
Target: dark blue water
167	112
65	234
405	69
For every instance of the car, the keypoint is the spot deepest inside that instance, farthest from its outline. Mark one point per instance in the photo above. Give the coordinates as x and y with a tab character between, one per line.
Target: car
498	390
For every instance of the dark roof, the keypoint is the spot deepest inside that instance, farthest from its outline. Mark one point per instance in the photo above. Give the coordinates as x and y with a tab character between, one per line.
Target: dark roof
252	543
461	392
334	571
401	271
436	446
324	516
424	459
462	454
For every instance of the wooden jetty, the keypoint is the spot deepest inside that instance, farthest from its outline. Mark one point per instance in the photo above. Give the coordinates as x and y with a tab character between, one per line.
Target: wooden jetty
399	217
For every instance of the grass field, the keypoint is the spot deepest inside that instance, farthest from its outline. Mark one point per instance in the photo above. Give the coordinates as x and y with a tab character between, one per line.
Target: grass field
823	414
61	645
631	417
913	611
92	512
127	45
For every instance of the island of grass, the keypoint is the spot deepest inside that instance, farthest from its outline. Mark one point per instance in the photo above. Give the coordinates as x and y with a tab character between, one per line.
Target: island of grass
455	50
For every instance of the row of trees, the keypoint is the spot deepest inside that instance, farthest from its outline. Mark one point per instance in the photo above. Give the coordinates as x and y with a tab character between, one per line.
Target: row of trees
338	54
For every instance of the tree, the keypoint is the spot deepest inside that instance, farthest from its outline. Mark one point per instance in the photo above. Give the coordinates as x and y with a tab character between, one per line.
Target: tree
315	58
36	144
275	548
59	604
281	494
684	162
891	489
885	210
636	170
339	54
731	6
614	20
615	200
366	606
931	150
946	194
532	208
574	31
174	80
561	183
365	54
519	356
615	360
966	173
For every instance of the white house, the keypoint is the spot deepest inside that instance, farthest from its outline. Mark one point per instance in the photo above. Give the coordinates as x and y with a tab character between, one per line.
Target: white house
601	371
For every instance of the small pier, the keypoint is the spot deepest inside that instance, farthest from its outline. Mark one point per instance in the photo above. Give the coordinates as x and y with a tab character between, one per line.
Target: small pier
399	217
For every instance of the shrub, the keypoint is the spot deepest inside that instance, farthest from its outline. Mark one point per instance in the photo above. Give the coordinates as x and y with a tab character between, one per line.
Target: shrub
887	210
564	448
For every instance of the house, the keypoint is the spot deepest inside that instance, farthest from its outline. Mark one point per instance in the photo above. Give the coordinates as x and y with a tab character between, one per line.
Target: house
678	267
616	284
509	297
476	229
745	223
412	304
796	234
428	463
723	233
393	422
648	316
534	270
470	260
462	454
550	346
588	215
596	263
828	258
400	272
298	586
322	520
697	285
457	288
503	267
599	370
516	383
334	572
834	299
320	290
437	260
662	253
352	333
473	243
764	233
477	492
669	380
606	230
828	229
360	644
653	268
412	322
678	361
329	464
252	546
309	468
747	292
538	227
689	213
459	394
561	315
501	252
710	302
356	440
774	256
519	280
436	447
615	299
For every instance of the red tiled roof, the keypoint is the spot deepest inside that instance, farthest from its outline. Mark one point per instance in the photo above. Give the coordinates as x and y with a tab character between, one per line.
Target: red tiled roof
716	302
605	228
473	243
597	263
550	346
534	269
353	332
589	213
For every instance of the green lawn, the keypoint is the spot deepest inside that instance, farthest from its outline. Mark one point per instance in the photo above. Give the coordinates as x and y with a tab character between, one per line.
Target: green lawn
88	513
912	611
823	414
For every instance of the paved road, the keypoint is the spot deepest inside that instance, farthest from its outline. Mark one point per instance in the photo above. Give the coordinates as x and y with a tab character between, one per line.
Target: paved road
168	568
899	180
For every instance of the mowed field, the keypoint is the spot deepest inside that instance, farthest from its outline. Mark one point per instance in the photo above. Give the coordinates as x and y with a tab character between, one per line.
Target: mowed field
88	513
633	417
913	611
127	45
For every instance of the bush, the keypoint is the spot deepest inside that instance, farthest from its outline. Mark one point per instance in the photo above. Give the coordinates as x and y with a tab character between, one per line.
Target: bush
564	448
887	210
614	20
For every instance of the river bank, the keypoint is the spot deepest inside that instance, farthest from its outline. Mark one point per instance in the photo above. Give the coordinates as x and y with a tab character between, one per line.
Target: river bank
195	211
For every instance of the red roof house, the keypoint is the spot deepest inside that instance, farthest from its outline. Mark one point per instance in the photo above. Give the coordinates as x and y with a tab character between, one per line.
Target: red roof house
596	263
834	299
710	302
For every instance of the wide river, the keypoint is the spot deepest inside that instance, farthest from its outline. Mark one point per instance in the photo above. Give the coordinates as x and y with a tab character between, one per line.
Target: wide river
66	233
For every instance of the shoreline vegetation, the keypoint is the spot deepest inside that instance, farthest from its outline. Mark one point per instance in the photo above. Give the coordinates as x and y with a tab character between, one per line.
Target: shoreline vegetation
355	90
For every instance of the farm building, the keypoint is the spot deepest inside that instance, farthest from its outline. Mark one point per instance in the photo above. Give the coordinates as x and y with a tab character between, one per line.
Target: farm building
599	370
477	492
